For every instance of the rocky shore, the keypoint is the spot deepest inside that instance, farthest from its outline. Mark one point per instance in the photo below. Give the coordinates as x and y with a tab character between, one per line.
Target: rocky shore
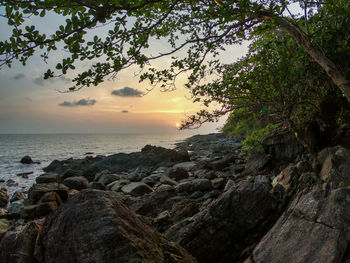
204	201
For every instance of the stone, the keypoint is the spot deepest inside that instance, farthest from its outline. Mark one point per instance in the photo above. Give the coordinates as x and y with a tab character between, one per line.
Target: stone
166	180
77	183
4	227
282	146
17	196
11	183
287	177
108	178
48	178
18	245
37	191
27	160
95	225
152	179
96	186
218	183
118	185
315	228
4	198
205	174
263	179
221	232
188	166
136	189
162	217
184	187
178	173
16	207
221	163
72	173
336	170
257	160
183	209
196	195
201	185
229	184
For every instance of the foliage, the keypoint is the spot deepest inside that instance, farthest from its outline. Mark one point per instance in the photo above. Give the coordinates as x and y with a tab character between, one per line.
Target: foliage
253	141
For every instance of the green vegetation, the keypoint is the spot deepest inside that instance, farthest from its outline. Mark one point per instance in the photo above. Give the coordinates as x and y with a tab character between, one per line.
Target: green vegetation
297	70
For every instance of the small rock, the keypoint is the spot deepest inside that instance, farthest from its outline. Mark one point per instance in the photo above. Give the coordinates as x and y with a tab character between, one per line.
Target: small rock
48	178
166	180
4	198
24	175
229	184
27	160
197	194
38	190
4	227
218	183
96	185
262	179
205	174
184	187
188	166
108	178
137	189
201	185
77	183
17	196
178	173
16	207
11	183
162	217
117	185
152	179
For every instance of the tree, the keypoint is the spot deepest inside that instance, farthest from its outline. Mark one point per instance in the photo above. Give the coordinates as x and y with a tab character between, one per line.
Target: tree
203	27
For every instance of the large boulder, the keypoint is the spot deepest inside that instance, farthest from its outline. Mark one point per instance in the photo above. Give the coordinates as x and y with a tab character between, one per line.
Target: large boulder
18	245
315	228
237	219
282	145
94	226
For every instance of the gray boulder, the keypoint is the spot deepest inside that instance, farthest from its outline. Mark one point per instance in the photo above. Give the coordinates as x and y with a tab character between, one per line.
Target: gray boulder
111	233
136	189
77	183
48	178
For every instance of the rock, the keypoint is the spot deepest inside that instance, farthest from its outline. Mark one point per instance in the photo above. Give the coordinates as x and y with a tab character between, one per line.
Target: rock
230	183
205	174
77	183
262	179
17	196
315	228
117	185
218	183
336	169
137	189
27	160
188	166
287	178
18	245
24	175
178	173
162	217
196	195
11	183
96	186
221	163
201	185
108	178
72	173
16	207
166	180
4	198
152	179
237	219
256	161
48	178
183	209
282	145
184	187
4	227
95	225
37	191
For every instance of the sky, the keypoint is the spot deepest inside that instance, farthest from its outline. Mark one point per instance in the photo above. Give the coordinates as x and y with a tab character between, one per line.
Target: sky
29	104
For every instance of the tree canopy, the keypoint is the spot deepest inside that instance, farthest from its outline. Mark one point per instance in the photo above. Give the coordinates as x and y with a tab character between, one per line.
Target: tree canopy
295	58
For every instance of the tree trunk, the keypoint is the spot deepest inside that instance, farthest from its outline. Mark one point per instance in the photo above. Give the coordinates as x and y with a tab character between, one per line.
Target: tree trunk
331	69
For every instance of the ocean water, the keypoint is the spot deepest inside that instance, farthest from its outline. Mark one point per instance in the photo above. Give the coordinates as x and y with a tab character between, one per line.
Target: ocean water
48	147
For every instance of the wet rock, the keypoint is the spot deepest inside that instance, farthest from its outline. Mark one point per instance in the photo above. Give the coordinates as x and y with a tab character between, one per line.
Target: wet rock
27	160
237	219
77	231
48	178
107	178
137	189
11	183
316	225
77	183
18	245
4	198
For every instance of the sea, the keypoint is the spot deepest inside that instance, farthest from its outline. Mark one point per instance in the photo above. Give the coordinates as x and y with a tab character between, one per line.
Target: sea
45	148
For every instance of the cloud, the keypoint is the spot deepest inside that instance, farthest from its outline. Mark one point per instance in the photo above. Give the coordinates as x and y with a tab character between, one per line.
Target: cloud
40	81
127	92
124	111
19	76
82	102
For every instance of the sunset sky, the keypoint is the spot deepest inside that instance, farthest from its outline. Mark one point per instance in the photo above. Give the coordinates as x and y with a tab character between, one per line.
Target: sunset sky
29	104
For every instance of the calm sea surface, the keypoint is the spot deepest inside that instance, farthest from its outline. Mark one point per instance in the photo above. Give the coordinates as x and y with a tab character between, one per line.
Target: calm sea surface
48	147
